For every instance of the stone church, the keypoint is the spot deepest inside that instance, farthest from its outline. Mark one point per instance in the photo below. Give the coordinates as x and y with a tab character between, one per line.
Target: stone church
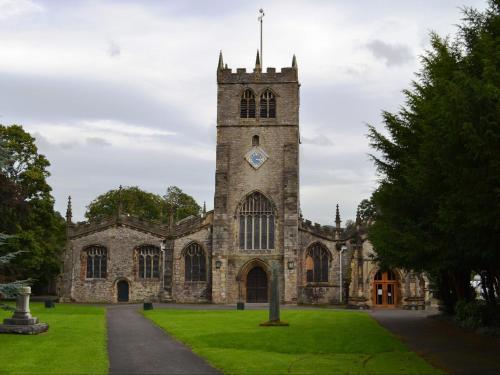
226	255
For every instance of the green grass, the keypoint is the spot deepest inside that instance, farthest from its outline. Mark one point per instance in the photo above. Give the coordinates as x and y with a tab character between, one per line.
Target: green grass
74	344
316	342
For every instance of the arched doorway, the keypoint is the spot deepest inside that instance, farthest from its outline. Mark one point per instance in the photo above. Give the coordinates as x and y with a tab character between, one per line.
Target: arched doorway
256	285
385	289
122	288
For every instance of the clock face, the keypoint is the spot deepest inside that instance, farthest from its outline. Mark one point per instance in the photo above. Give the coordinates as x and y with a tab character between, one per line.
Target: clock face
256	157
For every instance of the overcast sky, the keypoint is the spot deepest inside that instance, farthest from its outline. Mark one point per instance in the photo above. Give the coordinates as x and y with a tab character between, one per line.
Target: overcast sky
124	92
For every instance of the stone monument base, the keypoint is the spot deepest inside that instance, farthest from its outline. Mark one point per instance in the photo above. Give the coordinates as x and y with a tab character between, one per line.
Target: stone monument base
24	329
278	323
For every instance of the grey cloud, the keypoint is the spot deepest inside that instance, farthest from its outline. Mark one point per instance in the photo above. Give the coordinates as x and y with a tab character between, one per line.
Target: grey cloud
319	140
97	141
53	99
393	54
45	143
114	50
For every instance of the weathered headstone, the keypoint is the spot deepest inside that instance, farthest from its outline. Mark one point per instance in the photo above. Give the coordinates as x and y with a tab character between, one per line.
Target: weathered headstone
22	321
274	303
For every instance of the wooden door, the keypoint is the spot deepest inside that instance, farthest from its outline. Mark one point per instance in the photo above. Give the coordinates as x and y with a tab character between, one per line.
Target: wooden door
257	285
122	287
385	289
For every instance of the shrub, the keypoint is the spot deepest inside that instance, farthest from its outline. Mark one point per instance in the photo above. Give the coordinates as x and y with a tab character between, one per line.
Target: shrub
476	314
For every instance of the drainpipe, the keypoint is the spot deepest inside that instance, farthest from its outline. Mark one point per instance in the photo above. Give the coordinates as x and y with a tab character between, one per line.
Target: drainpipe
342	249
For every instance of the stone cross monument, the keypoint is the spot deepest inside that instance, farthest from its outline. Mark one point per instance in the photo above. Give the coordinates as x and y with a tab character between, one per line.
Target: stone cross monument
274	304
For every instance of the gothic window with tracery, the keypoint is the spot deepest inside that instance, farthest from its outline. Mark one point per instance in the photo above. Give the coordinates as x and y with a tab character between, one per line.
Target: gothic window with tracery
317	263
195	263
256	223
247	104
149	262
96	262
267	105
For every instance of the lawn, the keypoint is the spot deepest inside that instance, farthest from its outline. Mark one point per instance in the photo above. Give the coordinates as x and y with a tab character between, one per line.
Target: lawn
74	344
316	342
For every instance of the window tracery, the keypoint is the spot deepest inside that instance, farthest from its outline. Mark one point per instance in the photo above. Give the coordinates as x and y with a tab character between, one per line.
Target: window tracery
256	223
267	105
149	262
247	104
96	262
317	263
195	263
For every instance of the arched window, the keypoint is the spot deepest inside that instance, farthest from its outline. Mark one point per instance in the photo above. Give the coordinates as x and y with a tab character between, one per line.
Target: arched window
195	263
255	140
247	104
149	262
96	262
317	263
267	105
256	223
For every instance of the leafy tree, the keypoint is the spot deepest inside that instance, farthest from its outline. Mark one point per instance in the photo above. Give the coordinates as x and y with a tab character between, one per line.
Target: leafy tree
438	201
366	211
139	203
180	203
133	200
10	288
27	209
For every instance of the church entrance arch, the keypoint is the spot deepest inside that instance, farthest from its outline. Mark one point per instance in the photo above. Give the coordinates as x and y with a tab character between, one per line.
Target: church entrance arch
256	285
123	291
385	289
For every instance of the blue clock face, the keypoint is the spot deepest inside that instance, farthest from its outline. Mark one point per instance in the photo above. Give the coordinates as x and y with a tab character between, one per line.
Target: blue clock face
256	157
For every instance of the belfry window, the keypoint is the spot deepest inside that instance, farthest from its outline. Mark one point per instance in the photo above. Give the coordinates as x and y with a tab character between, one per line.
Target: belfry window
195	263
256	223
317	263
149	262
96	262
247	104
267	105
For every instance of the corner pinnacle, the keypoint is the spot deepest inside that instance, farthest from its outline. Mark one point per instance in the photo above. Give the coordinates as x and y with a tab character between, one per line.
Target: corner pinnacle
220	65
294	62
257	62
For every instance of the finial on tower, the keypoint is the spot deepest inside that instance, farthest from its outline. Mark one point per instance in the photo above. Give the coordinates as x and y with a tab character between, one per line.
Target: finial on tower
294	62
204	212
69	212
220	65
257	63
337	218
261	11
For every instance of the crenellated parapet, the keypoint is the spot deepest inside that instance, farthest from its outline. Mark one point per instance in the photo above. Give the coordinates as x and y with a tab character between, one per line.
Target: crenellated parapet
270	76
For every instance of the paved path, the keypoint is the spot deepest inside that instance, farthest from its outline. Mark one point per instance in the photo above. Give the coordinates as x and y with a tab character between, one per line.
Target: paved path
136	346
443	344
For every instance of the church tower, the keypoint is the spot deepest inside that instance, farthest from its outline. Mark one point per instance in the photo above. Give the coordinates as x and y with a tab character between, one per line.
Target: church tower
256	203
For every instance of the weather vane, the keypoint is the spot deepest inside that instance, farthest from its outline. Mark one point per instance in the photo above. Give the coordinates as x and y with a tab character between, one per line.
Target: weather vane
261	11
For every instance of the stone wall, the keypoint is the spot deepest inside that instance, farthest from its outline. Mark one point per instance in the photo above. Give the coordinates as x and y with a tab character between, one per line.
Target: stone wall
189	291
121	243
324	292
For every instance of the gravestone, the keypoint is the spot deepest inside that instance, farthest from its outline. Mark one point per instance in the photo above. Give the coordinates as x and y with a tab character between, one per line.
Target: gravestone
22	322
274	303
